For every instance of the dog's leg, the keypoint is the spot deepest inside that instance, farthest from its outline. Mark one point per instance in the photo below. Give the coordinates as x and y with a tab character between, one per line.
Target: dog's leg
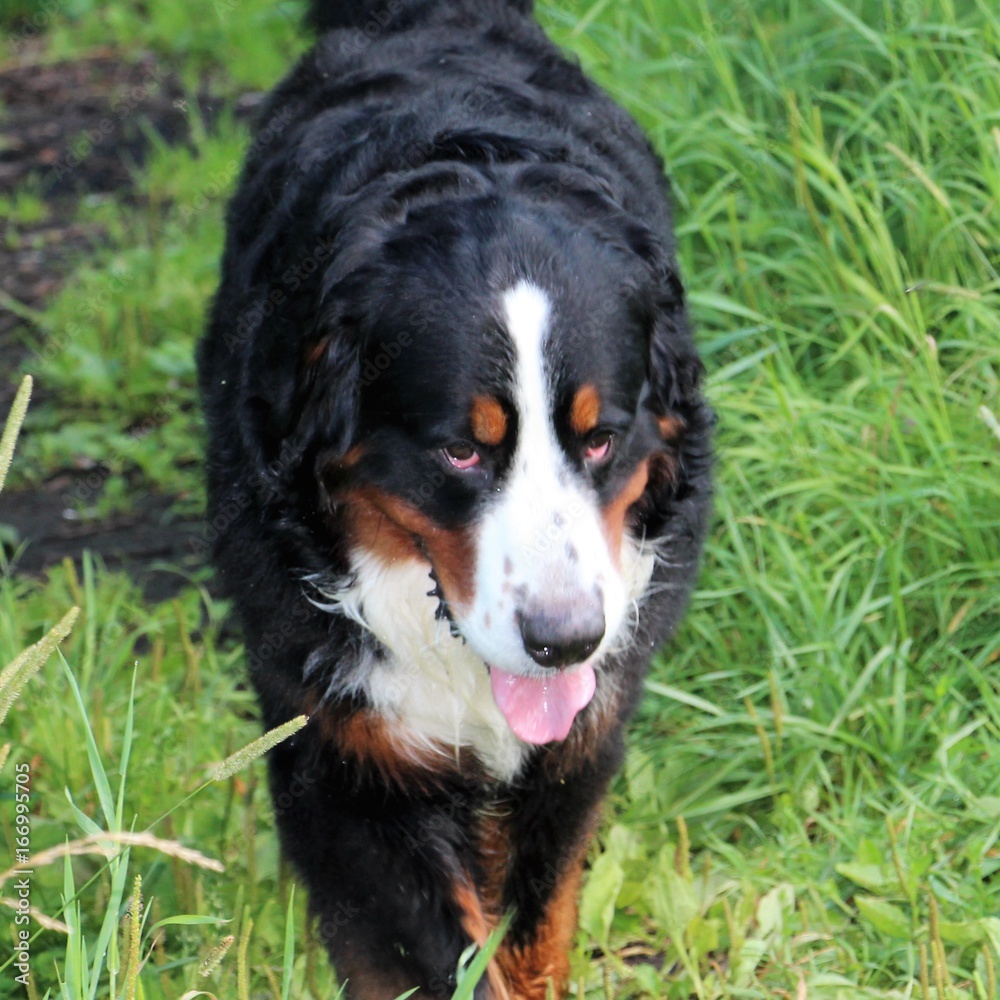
548	830
531	965
384	871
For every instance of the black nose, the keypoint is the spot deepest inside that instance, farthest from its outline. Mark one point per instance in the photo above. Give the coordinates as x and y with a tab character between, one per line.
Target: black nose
560	640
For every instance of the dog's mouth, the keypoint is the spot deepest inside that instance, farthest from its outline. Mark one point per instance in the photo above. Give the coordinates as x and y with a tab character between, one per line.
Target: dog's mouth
538	710
542	709
443	610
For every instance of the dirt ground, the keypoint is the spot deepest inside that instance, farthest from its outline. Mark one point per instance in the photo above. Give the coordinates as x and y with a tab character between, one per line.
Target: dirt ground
72	130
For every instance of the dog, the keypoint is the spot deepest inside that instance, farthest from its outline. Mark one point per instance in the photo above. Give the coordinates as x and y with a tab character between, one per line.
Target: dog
459	474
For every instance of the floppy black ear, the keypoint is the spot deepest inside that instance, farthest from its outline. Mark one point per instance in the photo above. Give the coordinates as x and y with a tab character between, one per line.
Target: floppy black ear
675	370
679	469
673	367
300	397
328	392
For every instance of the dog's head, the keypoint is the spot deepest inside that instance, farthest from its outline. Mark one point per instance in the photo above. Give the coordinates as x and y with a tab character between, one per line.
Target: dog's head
504	396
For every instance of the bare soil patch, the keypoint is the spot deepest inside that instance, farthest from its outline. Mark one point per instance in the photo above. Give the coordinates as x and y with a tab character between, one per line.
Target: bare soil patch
72	130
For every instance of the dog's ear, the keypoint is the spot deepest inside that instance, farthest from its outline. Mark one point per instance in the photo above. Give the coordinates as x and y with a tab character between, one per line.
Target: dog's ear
302	397
674	369
328	396
679	463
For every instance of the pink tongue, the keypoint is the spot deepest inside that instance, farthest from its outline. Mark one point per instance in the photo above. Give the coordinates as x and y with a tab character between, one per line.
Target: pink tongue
542	711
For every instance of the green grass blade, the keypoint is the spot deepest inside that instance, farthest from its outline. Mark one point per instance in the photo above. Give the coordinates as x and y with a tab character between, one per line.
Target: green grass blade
126	751
12	427
97	770
288	958
469	976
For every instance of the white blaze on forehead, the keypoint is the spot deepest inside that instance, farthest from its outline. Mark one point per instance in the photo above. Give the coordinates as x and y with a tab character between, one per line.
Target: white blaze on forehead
526	310
541	544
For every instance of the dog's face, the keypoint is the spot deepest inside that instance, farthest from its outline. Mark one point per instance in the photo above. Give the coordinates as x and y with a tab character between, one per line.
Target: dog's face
504	434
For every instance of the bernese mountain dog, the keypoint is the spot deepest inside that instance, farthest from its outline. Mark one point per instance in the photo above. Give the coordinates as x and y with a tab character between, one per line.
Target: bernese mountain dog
459	475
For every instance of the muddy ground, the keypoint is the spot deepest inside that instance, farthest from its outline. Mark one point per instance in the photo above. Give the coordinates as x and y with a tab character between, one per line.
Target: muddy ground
73	130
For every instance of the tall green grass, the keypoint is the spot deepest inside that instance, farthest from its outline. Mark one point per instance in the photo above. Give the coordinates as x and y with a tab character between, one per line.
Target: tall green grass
811	802
835	171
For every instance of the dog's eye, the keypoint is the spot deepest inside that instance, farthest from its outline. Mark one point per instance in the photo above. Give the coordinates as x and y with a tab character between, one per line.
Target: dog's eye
599	447
461	455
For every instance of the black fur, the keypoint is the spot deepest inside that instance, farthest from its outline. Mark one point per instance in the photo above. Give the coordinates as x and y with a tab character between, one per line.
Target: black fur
424	155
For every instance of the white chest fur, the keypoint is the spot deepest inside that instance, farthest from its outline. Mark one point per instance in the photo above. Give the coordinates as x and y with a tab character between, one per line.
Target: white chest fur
431	684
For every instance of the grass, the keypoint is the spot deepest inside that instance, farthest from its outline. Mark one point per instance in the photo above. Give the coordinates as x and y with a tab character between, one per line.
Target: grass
116	344
811	803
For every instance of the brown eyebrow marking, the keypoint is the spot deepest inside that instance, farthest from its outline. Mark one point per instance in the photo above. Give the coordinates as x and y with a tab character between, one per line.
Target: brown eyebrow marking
586	409
670	427
489	422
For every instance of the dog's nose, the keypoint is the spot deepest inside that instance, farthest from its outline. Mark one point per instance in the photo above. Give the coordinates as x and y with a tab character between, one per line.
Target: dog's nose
565	636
